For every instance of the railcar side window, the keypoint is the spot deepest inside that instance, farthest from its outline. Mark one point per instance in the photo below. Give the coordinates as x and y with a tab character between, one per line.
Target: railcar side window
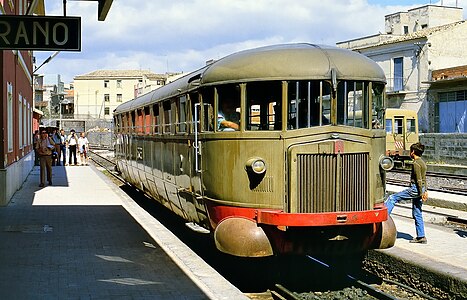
228	109
377	105
139	121
126	122
117	122
132	122
147	120
181	108
167	116
309	104
388	125
207	113
411	125
352	104
263	105
194	99
155	119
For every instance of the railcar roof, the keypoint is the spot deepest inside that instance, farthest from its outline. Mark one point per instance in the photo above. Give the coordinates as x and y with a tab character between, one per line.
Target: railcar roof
278	62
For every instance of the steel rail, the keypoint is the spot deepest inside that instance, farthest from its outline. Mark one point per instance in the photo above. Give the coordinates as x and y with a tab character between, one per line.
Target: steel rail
111	172
449	190
377	293
433	174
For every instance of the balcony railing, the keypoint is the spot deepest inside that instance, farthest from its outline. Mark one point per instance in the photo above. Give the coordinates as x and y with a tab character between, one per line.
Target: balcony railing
395	85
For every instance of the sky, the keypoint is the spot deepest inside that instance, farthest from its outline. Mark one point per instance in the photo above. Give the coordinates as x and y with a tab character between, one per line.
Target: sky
181	35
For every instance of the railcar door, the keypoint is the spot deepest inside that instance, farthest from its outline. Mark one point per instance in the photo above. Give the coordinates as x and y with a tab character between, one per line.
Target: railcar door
197	191
399	133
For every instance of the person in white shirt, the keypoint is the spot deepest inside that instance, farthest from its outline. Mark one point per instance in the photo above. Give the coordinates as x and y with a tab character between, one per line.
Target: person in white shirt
83	145
63	140
72	142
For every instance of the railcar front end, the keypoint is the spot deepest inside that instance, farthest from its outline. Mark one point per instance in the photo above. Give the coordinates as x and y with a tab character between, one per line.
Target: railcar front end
274	150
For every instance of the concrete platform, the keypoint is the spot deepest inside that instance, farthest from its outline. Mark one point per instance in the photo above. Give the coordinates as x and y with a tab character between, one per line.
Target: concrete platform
443	260
83	238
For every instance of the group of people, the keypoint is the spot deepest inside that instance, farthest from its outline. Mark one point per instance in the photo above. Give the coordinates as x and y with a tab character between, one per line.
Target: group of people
51	149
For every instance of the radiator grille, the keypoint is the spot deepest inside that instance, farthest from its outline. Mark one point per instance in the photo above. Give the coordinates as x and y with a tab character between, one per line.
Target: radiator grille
332	182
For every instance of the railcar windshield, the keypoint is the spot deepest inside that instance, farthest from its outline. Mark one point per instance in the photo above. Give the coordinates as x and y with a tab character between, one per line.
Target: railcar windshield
377	121
352	103
309	104
263	105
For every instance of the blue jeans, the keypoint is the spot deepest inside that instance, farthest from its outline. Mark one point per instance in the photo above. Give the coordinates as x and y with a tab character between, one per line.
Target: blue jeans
409	194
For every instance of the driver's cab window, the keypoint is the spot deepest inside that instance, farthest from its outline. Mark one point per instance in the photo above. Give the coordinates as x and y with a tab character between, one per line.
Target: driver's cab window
308	104
388	125
399	126
263	105
411	126
377	105
207	111
228	108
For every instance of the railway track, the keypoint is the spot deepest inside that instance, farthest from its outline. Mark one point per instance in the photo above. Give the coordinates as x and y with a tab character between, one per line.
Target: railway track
439	182
106	162
433	174
354	288
448	189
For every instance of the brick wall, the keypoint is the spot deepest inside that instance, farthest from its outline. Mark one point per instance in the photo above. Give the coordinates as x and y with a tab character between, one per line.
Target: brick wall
455	72
449	148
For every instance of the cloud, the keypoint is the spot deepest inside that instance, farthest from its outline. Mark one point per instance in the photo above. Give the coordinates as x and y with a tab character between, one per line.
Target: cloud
181	35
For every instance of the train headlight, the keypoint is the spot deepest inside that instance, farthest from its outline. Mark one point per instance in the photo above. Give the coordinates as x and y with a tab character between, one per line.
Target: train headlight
256	165
386	163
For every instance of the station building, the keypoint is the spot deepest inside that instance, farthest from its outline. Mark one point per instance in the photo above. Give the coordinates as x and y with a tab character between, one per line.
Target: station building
16	112
422	53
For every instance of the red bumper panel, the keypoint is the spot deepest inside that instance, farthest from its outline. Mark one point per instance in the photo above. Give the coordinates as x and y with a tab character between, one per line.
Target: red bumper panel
280	218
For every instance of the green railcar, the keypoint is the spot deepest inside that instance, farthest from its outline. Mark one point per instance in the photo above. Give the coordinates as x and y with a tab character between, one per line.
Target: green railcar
271	150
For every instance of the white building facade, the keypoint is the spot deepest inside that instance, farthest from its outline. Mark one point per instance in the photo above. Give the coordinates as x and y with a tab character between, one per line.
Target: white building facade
416	44
98	93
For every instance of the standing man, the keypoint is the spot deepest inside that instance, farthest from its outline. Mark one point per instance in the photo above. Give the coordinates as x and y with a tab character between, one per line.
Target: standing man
62	146
44	147
56	139
417	192
72	142
83	145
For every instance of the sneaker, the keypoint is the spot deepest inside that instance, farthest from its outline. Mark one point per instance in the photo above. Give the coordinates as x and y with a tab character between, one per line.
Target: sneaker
41	185
419	240
50	182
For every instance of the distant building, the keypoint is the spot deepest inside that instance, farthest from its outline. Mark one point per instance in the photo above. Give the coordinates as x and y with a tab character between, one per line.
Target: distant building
416	45
98	93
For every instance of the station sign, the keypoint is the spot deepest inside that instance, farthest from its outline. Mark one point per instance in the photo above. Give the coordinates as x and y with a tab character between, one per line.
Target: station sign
40	33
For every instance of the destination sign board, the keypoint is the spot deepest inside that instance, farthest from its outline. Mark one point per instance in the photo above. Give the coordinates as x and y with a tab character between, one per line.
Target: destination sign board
40	33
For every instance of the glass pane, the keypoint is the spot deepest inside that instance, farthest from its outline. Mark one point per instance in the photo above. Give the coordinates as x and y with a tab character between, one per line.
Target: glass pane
388	125
182	114
208	109
352	103
377	119
398	74
167	116
228	114
306	107
155	119
411	126
399	126
263	105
